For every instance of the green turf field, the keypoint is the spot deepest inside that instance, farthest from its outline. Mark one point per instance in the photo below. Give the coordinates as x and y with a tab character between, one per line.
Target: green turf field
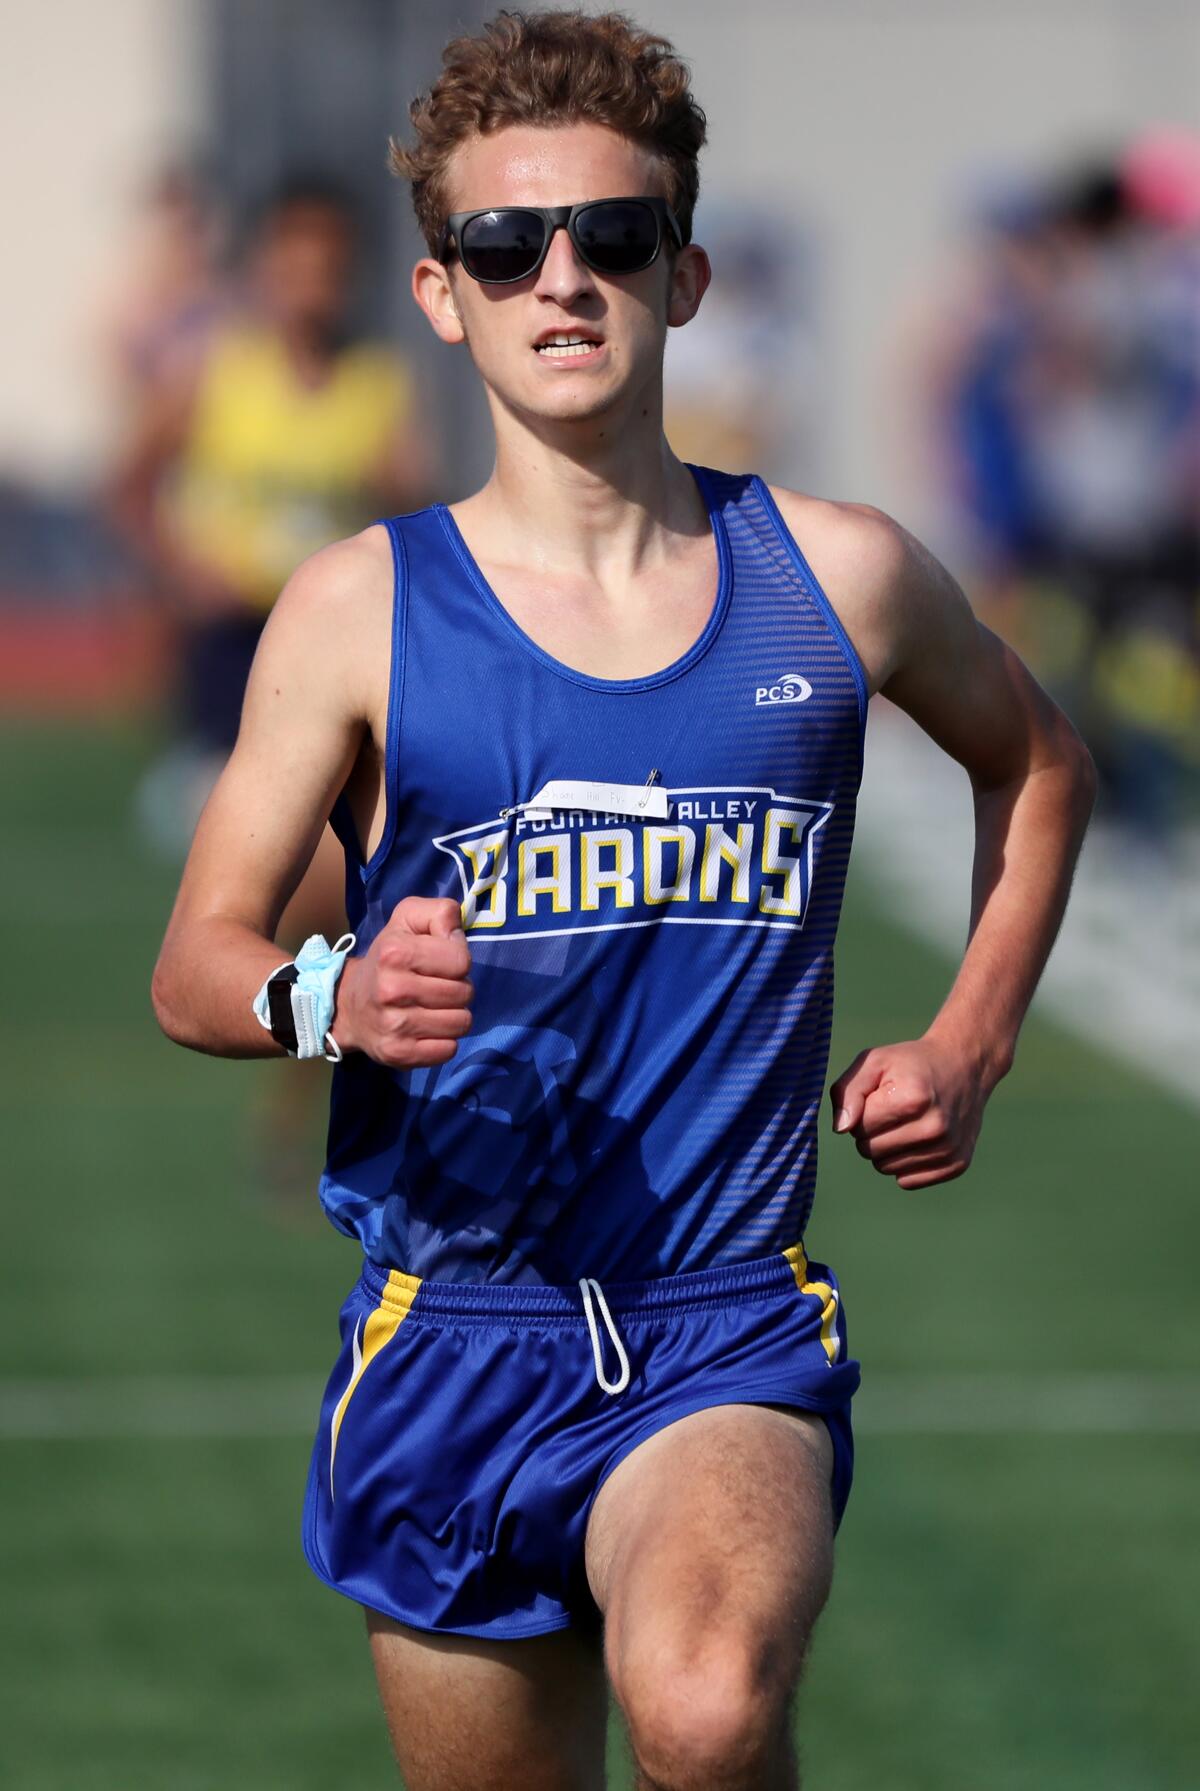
1016	1599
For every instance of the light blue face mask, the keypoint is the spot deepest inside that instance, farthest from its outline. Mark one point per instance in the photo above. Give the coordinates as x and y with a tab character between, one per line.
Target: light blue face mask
318	966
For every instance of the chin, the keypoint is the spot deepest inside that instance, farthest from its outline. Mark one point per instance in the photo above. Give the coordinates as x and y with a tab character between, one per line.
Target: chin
571	407
579	412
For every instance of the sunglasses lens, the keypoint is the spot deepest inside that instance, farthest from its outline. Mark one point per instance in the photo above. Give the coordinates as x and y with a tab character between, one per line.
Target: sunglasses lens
502	245
617	236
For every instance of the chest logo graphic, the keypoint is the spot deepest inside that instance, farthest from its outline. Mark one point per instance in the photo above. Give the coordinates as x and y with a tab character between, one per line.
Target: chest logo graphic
791	688
725	855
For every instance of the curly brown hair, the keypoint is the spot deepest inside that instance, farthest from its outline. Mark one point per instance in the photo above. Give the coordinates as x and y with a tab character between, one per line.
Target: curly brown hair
554	68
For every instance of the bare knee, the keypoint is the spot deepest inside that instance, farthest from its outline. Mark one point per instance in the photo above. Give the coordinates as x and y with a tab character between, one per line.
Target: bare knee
706	1719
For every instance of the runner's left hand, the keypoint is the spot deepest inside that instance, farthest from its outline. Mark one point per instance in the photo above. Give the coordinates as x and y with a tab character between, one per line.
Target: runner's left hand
914	1110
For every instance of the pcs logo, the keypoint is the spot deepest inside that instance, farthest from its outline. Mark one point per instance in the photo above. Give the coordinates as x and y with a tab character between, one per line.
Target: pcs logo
791	688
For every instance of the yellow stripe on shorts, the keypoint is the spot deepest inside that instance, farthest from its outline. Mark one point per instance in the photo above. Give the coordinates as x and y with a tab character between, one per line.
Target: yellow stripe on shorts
394	1303
829	1300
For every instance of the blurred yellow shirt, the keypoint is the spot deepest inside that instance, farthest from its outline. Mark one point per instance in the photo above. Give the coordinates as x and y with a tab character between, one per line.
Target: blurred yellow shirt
272	468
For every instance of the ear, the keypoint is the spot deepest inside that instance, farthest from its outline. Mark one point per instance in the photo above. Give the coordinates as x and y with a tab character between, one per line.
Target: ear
434	294
690	278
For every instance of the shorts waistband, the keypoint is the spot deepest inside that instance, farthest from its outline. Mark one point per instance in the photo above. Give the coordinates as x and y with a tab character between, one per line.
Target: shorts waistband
398	1289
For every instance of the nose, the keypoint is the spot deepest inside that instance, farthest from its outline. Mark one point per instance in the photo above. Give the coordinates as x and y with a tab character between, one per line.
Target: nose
563	275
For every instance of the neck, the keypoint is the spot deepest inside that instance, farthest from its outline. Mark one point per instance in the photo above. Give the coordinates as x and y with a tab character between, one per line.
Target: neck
310	347
601	498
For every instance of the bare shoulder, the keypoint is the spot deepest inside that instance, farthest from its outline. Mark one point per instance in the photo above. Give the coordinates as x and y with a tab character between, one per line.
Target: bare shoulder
335	611
340	581
864	560
923	645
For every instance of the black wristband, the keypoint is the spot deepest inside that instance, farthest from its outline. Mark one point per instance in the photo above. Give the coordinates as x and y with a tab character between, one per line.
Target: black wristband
279	1007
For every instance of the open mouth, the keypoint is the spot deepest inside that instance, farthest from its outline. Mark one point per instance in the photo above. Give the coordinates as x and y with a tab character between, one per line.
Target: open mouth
567	345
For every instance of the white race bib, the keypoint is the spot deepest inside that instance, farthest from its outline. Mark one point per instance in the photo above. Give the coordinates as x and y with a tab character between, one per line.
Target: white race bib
646	802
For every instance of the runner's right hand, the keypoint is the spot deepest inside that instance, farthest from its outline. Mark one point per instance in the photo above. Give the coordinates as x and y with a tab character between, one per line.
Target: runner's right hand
406	1001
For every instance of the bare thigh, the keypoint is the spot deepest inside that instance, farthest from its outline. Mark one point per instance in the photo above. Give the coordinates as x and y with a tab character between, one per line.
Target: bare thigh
710	1552
469	1715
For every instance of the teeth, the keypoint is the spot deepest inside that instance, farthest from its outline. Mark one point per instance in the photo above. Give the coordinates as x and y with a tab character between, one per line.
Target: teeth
562	346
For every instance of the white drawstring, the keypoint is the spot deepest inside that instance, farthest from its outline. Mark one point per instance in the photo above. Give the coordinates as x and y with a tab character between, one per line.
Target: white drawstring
586	1284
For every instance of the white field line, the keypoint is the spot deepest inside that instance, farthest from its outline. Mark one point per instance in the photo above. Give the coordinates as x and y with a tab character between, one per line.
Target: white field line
890	1404
1125	970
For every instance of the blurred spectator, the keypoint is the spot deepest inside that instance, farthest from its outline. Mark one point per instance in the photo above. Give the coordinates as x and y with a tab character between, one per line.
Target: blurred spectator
283	432
978	382
171	288
59	560
1114	409
1063	382
734	374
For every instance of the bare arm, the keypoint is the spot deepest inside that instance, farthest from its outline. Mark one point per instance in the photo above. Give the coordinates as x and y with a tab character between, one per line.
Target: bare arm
303	722
1033	783
915	1108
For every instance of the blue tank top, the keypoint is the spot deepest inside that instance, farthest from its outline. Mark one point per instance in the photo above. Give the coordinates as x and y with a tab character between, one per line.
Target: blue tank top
640	1091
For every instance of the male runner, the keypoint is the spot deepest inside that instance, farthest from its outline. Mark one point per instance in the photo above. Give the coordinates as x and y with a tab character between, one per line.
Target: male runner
589	1370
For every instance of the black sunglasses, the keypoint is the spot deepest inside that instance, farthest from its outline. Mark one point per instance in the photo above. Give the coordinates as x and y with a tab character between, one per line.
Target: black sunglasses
510	242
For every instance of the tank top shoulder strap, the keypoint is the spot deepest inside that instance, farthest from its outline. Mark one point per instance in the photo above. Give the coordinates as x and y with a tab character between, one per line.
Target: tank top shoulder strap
405	536
758	532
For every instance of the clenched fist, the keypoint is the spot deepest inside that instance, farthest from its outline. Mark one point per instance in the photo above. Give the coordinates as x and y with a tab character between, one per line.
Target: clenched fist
407	1001
914	1110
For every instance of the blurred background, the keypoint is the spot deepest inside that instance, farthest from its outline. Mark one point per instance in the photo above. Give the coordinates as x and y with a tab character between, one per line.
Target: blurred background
957	275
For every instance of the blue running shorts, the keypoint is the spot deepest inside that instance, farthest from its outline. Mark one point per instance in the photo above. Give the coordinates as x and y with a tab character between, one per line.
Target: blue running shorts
467	1427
